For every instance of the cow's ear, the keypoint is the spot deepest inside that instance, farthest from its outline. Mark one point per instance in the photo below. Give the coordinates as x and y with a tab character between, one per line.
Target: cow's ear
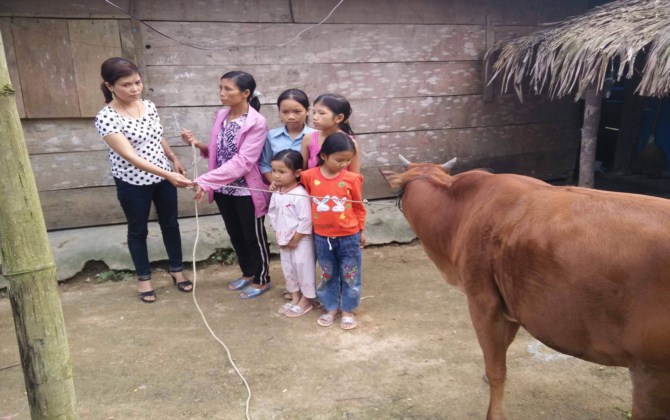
393	178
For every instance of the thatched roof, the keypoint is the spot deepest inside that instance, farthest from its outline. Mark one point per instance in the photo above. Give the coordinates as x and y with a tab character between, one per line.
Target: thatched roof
570	56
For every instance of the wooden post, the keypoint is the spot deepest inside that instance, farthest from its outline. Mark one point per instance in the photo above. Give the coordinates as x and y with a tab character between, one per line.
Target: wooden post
28	266
587	156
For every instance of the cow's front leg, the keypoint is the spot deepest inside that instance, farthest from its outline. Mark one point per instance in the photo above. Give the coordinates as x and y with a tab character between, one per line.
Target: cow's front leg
495	333
651	391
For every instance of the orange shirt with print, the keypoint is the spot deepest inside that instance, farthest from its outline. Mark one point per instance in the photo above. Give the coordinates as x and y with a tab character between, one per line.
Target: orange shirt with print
337	209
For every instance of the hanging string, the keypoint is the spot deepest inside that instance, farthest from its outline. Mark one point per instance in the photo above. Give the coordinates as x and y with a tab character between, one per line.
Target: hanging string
199	47
195	282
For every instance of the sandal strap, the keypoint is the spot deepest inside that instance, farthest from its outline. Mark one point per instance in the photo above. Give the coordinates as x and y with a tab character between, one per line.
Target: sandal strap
149	293
184	284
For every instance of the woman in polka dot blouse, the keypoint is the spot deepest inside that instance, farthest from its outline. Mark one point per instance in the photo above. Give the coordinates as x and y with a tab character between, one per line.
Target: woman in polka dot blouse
234	179
140	159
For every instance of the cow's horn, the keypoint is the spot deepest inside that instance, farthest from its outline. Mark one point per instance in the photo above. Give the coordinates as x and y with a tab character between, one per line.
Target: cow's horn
404	161
447	166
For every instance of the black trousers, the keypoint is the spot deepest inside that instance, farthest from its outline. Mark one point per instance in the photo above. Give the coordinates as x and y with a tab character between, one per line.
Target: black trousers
247	234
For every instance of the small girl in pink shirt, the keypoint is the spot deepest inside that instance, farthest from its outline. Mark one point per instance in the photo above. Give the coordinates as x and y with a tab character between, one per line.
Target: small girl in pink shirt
290	215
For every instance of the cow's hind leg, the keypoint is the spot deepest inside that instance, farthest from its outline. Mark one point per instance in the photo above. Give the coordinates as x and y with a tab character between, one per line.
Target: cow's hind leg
651	392
495	333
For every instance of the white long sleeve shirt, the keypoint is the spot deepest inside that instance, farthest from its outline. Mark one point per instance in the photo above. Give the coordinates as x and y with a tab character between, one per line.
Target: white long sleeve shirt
290	212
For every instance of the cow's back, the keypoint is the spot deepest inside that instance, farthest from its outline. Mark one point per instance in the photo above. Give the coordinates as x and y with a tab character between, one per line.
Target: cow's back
586	272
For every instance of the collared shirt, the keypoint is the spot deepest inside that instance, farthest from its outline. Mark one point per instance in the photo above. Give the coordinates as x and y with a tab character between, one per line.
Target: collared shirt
278	140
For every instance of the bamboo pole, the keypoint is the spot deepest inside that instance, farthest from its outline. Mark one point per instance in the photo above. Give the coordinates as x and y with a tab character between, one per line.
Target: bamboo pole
28	266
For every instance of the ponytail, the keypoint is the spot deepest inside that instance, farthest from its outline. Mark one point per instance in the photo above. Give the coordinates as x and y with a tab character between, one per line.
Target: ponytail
255	103
107	93
344	126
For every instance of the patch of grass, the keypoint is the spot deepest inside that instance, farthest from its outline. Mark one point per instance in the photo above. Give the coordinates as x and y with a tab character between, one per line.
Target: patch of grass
113	275
224	256
627	413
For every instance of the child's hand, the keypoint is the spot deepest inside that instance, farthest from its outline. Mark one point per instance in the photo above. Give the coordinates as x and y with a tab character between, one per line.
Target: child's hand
362	239
273	186
293	243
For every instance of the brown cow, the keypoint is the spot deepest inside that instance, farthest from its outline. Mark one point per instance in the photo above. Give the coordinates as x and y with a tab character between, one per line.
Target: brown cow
586	272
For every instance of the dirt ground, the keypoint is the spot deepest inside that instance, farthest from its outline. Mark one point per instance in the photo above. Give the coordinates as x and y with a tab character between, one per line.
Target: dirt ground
414	354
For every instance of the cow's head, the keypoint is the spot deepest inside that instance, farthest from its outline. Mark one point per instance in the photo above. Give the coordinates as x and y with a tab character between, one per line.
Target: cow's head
414	170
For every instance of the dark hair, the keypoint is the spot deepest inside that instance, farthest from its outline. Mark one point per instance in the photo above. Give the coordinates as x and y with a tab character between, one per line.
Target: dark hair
338	104
296	94
112	70
244	81
336	142
291	158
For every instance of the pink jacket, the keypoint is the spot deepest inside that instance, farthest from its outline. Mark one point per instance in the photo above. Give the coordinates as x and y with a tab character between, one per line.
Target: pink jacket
245	163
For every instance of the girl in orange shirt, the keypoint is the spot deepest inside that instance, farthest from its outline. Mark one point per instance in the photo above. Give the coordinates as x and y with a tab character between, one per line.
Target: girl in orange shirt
338	217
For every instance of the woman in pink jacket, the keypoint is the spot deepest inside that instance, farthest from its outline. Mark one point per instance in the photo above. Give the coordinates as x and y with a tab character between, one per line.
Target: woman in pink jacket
234	179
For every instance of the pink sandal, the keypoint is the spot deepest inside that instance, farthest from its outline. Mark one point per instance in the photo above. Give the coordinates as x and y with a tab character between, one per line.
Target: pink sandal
348	322
326	320
297	311
285	308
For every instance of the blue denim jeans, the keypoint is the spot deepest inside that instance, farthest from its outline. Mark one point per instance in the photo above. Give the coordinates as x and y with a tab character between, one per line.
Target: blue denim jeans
340	262
136	203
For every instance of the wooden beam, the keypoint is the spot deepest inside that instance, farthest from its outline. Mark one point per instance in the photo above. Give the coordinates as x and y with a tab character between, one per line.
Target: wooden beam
243	44
92	41
355	80
52	89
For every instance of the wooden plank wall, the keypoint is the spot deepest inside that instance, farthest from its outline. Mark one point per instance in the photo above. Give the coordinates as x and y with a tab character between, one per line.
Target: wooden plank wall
412	71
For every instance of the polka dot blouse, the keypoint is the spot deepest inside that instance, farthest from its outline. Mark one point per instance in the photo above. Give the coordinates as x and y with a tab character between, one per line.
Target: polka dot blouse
144	134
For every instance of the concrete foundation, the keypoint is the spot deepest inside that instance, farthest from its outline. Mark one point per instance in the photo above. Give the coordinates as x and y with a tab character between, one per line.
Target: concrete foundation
73	248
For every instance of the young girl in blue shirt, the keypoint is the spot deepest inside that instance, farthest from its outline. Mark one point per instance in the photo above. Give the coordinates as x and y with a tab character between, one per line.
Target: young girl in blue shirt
293	105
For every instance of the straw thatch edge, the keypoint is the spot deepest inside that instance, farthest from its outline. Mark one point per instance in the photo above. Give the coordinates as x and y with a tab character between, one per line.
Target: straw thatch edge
582	51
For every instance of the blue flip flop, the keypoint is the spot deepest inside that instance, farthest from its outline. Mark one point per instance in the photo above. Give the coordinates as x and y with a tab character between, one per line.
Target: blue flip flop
237	284
252	292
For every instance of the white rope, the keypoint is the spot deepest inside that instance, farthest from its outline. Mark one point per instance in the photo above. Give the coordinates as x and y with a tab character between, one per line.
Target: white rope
217	186
195	276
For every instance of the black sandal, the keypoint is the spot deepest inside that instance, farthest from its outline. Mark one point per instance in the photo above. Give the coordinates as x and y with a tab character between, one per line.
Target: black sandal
144	295
182	285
